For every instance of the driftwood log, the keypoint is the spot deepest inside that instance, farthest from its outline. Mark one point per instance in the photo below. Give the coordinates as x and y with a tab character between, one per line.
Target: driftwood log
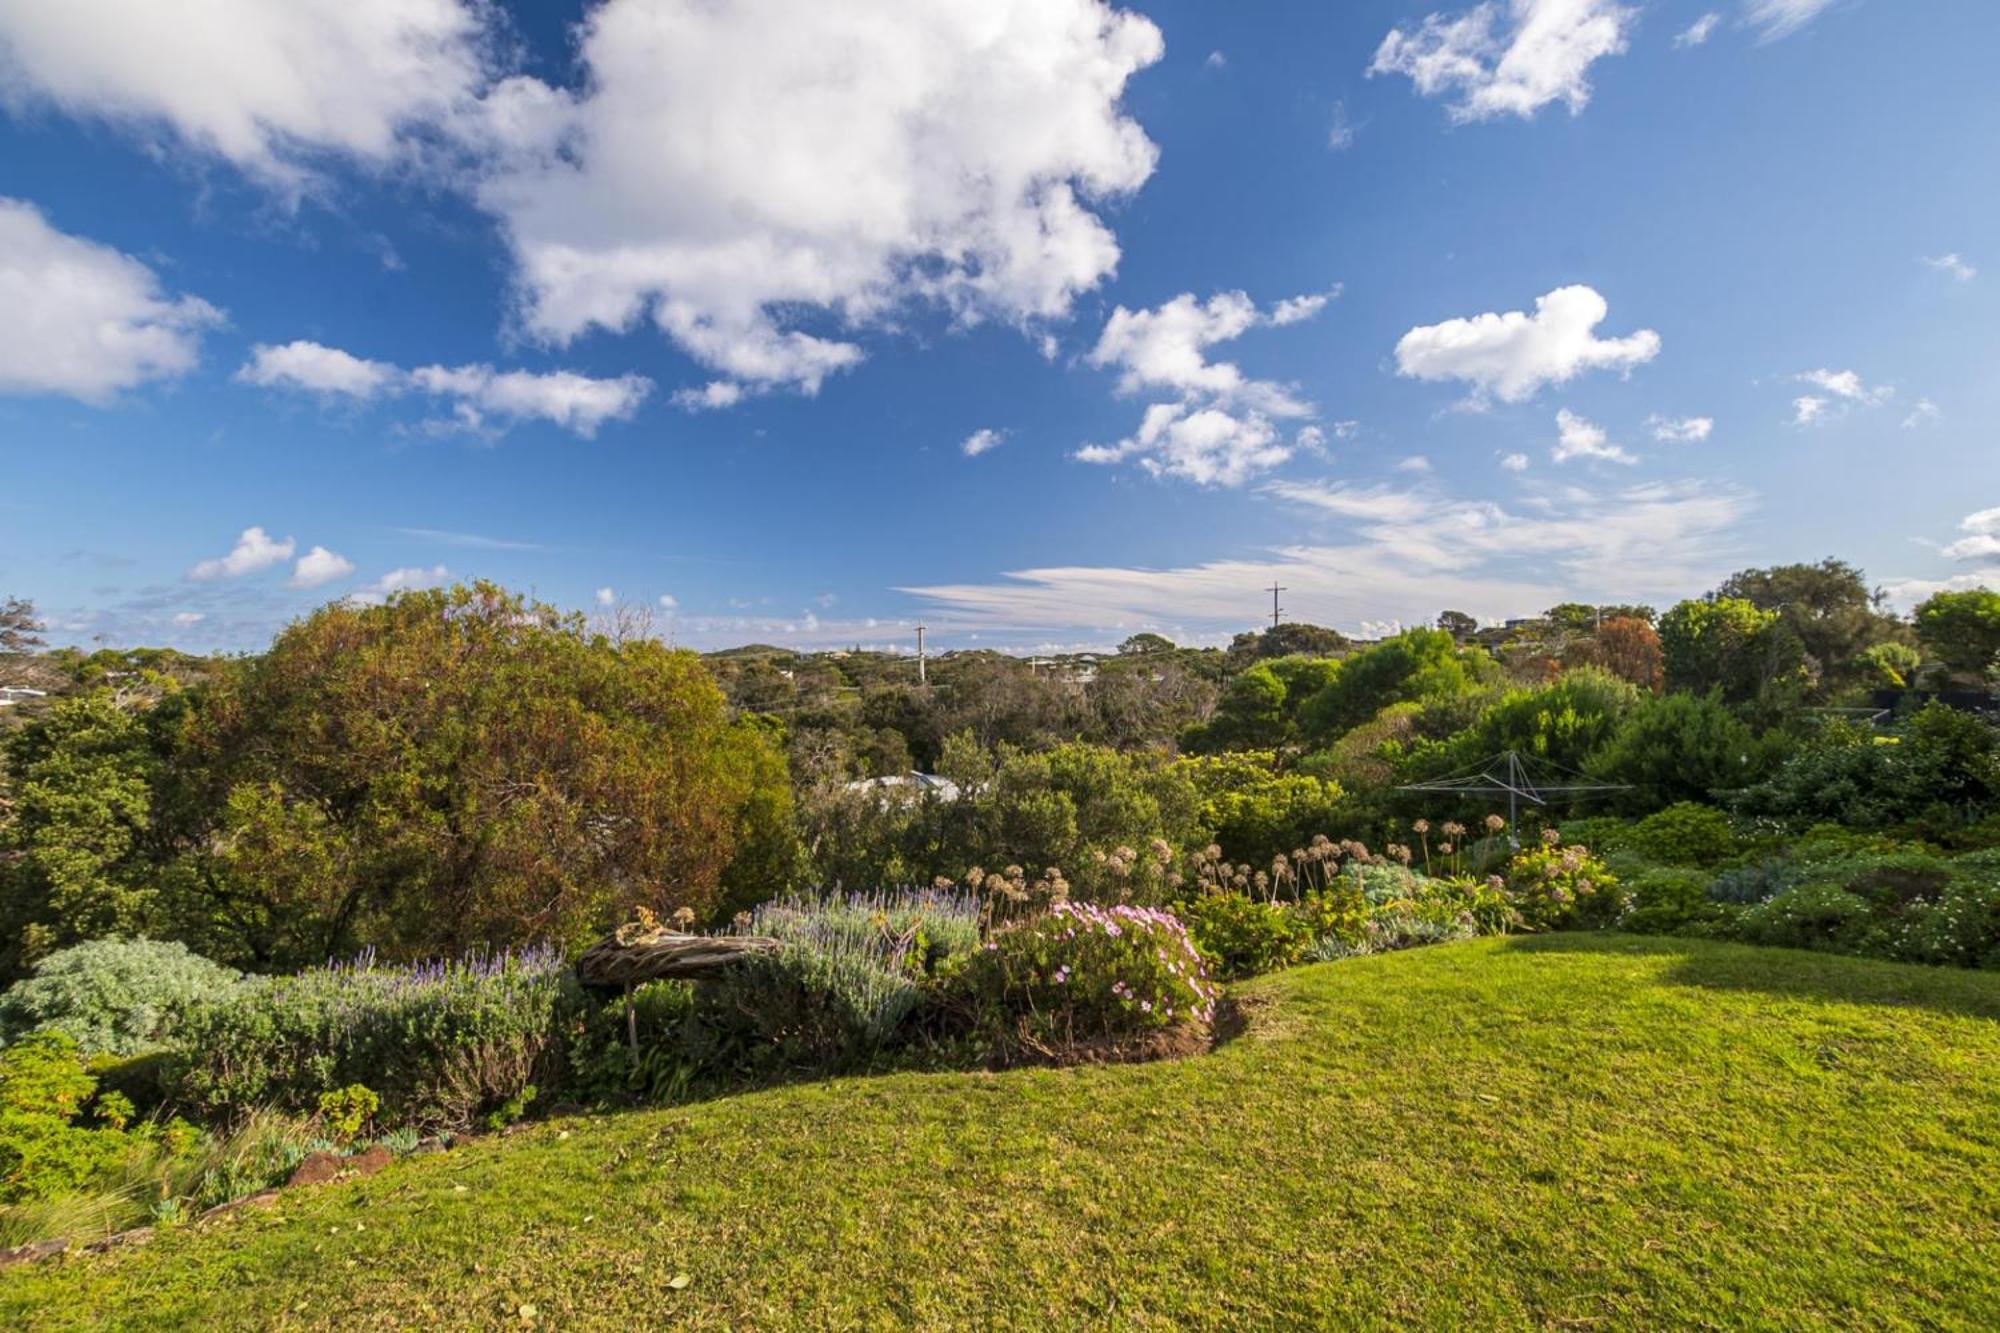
635	955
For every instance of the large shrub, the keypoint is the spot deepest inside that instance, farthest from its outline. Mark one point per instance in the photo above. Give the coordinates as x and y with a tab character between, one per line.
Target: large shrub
439	1042
1678	747
112	997
458	769
1251	809
73	847
848	978
1082	976
1959	928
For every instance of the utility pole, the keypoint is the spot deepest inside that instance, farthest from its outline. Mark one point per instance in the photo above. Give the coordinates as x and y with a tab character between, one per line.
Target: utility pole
921	678
1276	611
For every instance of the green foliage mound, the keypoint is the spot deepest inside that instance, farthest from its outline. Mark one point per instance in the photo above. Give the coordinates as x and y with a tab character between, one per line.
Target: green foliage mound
440	1043
113	997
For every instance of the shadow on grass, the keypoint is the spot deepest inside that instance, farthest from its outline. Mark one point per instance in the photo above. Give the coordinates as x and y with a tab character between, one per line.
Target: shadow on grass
1793	973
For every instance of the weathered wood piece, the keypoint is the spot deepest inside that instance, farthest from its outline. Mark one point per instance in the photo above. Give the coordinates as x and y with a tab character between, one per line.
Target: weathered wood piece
639	954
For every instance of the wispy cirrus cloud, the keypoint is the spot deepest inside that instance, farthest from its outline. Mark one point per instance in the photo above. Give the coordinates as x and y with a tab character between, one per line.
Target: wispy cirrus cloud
1408	552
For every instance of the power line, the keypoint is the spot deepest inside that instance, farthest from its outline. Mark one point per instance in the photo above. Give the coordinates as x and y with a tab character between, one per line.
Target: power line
1276	610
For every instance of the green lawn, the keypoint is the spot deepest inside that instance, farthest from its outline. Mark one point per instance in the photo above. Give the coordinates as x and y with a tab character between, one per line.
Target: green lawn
1599	1131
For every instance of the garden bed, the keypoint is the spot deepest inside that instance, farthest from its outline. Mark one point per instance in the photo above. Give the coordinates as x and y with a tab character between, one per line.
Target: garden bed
1575	1129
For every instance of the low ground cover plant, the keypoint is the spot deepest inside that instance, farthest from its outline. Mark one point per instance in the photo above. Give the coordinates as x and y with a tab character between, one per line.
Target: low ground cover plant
1081	976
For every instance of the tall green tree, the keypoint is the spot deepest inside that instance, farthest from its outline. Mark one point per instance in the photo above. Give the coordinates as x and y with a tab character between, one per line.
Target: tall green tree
1962	629
1729	645
74	856
460	769
1829	606
1413	665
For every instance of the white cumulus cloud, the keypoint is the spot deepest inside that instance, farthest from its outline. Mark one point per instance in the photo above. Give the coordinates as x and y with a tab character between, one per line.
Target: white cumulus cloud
1578	437
1221	429
1840	391
1512	355
1209	446
578	403
266	86
319	566
732	172
254	550
410	578
316	368
477	394
81	319
1982	537
1510	60
1166	348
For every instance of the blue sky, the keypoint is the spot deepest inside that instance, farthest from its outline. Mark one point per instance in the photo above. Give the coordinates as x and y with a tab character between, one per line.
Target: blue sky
1405	305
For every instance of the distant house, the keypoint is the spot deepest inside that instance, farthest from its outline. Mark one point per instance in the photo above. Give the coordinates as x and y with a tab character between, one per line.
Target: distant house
919	786
19	694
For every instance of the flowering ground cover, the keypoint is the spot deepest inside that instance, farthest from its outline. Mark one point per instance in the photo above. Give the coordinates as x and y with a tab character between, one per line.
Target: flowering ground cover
1599	1130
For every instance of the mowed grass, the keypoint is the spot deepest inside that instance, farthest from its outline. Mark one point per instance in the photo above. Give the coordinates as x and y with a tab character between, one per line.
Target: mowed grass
1597	1131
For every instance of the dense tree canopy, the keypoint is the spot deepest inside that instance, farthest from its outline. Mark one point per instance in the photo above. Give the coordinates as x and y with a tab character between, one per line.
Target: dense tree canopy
1962	629
1828	605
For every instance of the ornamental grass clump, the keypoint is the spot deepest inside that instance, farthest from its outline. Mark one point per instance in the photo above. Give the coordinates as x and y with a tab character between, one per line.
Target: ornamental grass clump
845	985
439	1042
1084	978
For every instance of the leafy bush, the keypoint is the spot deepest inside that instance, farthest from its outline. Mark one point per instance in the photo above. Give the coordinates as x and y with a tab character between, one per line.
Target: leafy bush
113	997
637	1052
1557	887
851	973
438	1042
1241	936
1685	834
1757	882
1960	929
1666	901
46	1146
1985	862
1396	928
1811	916
345	1110
1081	975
